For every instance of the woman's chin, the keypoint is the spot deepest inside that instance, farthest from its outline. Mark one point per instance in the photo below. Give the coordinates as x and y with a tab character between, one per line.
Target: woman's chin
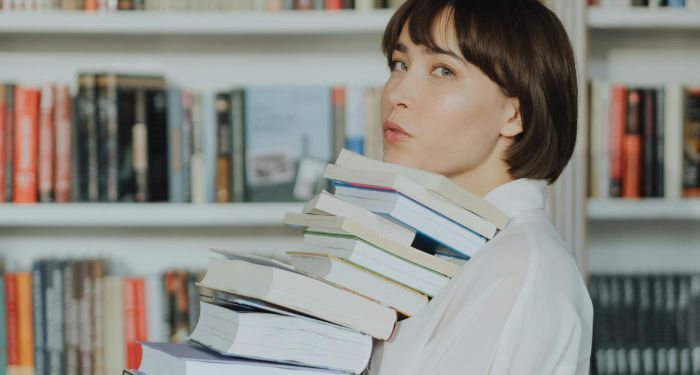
394	155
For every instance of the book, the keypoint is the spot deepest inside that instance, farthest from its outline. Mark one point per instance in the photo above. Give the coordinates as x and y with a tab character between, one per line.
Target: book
183	359
3	318
418	217
46	144
632	146
280	338
223	155
63	146
358	279
25	327
3	140
12	324
327	204
377	260
393	181
26	142
691	143
342	225
300	293
286	127
431	181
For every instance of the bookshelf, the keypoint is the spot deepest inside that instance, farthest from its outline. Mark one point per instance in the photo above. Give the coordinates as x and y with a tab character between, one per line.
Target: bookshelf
641	46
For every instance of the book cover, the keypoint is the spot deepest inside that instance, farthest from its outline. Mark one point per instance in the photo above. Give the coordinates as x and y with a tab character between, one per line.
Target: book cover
691	144
26	143
64	145
649	142
87	134
618	123
223	158
632	146
238	160
71	314
287	128
54	299
175	149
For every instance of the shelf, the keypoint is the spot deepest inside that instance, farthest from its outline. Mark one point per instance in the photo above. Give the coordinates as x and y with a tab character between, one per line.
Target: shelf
286	23
643	210
643	18
152	215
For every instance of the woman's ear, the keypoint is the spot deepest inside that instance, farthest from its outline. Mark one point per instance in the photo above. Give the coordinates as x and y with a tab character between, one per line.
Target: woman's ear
514	123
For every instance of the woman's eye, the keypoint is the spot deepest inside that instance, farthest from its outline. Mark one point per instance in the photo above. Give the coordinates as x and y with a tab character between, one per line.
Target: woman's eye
443	71
398	66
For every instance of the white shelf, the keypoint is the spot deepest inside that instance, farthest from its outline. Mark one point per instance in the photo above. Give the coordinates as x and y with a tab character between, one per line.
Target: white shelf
152	215
643	209
286	23
643	18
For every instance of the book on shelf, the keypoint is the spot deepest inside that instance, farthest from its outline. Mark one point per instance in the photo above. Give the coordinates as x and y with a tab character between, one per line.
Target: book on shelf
653	4
198	6
643	141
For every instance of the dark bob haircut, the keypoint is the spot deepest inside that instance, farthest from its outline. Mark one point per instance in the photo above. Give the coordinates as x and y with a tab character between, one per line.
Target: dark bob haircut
521	46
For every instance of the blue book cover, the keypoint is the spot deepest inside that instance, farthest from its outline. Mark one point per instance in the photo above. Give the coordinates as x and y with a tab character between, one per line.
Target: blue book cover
676	3
355	120
289	141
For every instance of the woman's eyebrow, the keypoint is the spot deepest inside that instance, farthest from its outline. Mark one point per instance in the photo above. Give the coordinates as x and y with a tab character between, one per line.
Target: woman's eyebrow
435	50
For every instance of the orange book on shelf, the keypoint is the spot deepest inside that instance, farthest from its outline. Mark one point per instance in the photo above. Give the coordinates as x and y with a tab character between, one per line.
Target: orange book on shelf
618	122
26	143
334	4
632	148
12	329
25	323
136	328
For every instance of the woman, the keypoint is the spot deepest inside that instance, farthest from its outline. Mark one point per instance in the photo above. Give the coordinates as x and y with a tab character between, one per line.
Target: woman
484	92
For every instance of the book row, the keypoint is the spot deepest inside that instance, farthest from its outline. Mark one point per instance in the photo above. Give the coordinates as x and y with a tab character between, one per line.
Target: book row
71	317
646	324
690	4
197	5
644	141
128	138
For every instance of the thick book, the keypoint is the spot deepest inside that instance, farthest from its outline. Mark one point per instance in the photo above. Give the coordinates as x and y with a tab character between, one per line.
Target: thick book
327	204
393	181
300	293
416	216
280	338
346	226
341	272
184	359
288	131
376	260
437	183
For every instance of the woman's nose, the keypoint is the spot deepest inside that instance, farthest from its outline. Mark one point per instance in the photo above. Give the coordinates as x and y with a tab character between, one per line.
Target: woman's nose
402	91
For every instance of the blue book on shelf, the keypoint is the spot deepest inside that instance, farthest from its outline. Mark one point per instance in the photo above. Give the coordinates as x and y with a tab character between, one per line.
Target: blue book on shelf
288	141
403	210
355	119
175	138
676	3
208	119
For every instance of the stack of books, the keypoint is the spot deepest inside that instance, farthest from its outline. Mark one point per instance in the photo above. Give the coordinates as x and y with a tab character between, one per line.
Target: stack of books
388	239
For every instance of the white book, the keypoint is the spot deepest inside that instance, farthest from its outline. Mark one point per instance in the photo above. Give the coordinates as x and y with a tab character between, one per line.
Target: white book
327	204
300	293
345	226
398	182
113	324
184	359
156	318
673	141
280	338
431	181
599	157
360	280
375	259
437	227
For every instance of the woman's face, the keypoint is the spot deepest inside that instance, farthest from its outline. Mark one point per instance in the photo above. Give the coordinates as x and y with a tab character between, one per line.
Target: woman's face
441	113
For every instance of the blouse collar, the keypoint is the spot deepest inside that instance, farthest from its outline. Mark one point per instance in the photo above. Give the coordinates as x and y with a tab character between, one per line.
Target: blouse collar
517	196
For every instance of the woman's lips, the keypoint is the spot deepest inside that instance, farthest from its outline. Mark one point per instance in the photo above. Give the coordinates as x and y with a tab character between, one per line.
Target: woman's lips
394	133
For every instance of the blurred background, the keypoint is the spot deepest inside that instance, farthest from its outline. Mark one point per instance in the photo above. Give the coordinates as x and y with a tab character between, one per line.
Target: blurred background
136	134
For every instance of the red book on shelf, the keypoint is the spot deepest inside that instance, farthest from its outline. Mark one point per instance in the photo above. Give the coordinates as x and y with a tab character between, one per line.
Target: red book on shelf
134	319
26	134
303	4
334	4
3	137
46	145
62	127
12	327
632	148
618	123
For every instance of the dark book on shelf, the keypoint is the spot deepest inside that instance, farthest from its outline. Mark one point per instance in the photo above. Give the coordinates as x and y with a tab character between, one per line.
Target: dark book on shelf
691	143
648	142
238	164
223	154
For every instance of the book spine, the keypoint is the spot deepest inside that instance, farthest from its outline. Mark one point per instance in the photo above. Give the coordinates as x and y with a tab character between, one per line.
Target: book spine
113	323
223	160
157	128
339	99
648	143
209	148
97	273
54	297
363	5
198	167
303	4
691	152
63	146
130	335
108	102
334	4
85	297
3	325
192	301
178	314
632	147
46	145
140	149
186	144
87	140
238	143
71	318
25	331
659	144
26	134
3	142
175	149
12	327
9	142
618	120
39	305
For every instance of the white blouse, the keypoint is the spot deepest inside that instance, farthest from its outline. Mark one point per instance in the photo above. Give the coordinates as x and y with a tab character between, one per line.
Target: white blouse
518	307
